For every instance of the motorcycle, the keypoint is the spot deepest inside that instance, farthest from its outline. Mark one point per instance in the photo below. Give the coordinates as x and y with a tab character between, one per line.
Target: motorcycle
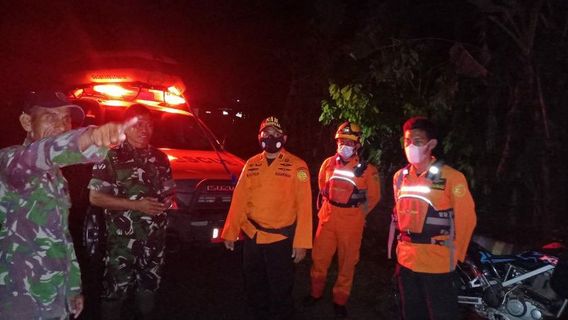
512	287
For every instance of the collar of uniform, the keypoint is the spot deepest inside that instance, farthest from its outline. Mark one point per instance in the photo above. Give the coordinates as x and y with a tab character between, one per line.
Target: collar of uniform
127	148
280	155
27	141
354	160
413	169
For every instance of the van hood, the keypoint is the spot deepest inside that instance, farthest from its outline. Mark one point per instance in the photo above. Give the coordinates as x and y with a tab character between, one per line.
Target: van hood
200	164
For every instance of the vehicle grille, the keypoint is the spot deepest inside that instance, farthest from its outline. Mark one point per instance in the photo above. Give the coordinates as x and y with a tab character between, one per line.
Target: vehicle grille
194	196
184	192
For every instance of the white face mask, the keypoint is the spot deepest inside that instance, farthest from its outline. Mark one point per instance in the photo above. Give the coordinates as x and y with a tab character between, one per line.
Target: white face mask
345	151
415	154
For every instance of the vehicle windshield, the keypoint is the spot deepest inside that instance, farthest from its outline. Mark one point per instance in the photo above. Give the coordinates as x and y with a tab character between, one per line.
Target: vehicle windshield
171	130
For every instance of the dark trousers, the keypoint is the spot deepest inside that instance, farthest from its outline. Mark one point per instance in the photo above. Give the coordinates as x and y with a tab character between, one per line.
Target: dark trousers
117	309
427	295
269	278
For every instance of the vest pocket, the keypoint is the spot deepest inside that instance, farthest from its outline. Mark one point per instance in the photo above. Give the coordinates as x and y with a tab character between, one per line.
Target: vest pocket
411	213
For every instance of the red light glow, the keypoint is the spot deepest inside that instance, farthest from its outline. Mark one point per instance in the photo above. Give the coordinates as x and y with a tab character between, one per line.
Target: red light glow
174	90
115	103
174	99
113	90
172	110
77	93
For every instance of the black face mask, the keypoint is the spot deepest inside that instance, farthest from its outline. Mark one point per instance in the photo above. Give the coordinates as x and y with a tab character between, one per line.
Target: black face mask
271	144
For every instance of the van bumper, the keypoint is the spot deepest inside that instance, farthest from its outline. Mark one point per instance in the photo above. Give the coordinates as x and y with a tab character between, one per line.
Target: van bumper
196	227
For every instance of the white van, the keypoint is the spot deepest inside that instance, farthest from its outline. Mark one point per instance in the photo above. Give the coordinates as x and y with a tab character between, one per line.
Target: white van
204	172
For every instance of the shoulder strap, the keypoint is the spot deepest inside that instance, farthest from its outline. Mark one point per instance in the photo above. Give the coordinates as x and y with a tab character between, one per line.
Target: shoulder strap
435	173
435	170
393	224
401	176
324	192
360	168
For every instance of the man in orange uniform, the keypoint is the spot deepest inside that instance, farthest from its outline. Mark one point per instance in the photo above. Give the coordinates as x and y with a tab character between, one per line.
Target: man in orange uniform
350	190
272	205
435	215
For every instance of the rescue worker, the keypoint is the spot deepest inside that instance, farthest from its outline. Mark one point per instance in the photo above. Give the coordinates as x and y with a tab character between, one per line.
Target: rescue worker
435	215
39	273
272	205
350	189
134	184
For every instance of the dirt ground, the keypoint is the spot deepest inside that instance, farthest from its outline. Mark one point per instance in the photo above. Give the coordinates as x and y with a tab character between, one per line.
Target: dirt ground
206	283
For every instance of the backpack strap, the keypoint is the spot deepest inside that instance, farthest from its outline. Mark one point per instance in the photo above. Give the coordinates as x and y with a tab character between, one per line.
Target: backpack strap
435	170
435	173
393	224
325	192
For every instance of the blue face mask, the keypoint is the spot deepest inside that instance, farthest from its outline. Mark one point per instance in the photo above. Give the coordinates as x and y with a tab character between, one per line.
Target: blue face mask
345	152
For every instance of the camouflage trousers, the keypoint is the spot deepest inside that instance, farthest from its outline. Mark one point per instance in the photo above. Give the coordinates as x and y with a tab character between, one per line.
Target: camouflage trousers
135	254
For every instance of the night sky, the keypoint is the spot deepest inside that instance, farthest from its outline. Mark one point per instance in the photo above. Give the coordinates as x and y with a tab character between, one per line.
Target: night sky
227	50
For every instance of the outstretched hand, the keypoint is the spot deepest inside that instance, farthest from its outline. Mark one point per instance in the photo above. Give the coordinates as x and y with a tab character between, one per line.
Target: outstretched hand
106	135
111	133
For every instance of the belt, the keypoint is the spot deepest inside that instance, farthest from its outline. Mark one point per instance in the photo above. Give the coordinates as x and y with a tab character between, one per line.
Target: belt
419	238
343	205
287	231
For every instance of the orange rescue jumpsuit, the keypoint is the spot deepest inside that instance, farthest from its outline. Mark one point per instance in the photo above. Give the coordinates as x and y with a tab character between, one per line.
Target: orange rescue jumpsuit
341	226
275	196
446	192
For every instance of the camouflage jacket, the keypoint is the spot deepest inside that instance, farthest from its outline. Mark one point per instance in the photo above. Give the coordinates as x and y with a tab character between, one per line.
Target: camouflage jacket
133	173
38	267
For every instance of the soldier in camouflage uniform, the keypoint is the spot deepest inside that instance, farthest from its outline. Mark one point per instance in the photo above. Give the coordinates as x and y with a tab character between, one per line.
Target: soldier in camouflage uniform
135	186
39	274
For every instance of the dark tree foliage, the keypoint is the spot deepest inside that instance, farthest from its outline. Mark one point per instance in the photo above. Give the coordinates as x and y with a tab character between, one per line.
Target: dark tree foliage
490	73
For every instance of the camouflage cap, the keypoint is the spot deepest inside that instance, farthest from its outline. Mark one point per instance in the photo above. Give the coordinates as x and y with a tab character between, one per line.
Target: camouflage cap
53	99
271	122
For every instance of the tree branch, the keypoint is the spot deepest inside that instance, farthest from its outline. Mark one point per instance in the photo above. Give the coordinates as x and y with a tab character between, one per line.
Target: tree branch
542	105
532	25
510	33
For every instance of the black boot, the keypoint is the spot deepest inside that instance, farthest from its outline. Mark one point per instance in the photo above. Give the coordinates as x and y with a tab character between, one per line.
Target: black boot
145	304
340	311
111	309
310	301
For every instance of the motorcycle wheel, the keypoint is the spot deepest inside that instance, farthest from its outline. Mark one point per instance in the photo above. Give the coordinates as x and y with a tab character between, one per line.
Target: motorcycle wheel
492	296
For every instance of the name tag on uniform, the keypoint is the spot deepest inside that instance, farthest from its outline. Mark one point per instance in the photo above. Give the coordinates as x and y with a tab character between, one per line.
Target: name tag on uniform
439	184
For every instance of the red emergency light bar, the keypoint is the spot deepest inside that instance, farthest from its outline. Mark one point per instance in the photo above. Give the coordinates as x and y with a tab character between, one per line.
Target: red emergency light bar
112	90
125	94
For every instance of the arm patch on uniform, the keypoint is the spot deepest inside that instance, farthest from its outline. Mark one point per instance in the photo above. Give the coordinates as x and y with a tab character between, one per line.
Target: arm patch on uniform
302	175
459	190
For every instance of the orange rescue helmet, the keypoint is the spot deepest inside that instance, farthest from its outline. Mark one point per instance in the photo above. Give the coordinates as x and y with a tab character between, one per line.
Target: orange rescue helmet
348	130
